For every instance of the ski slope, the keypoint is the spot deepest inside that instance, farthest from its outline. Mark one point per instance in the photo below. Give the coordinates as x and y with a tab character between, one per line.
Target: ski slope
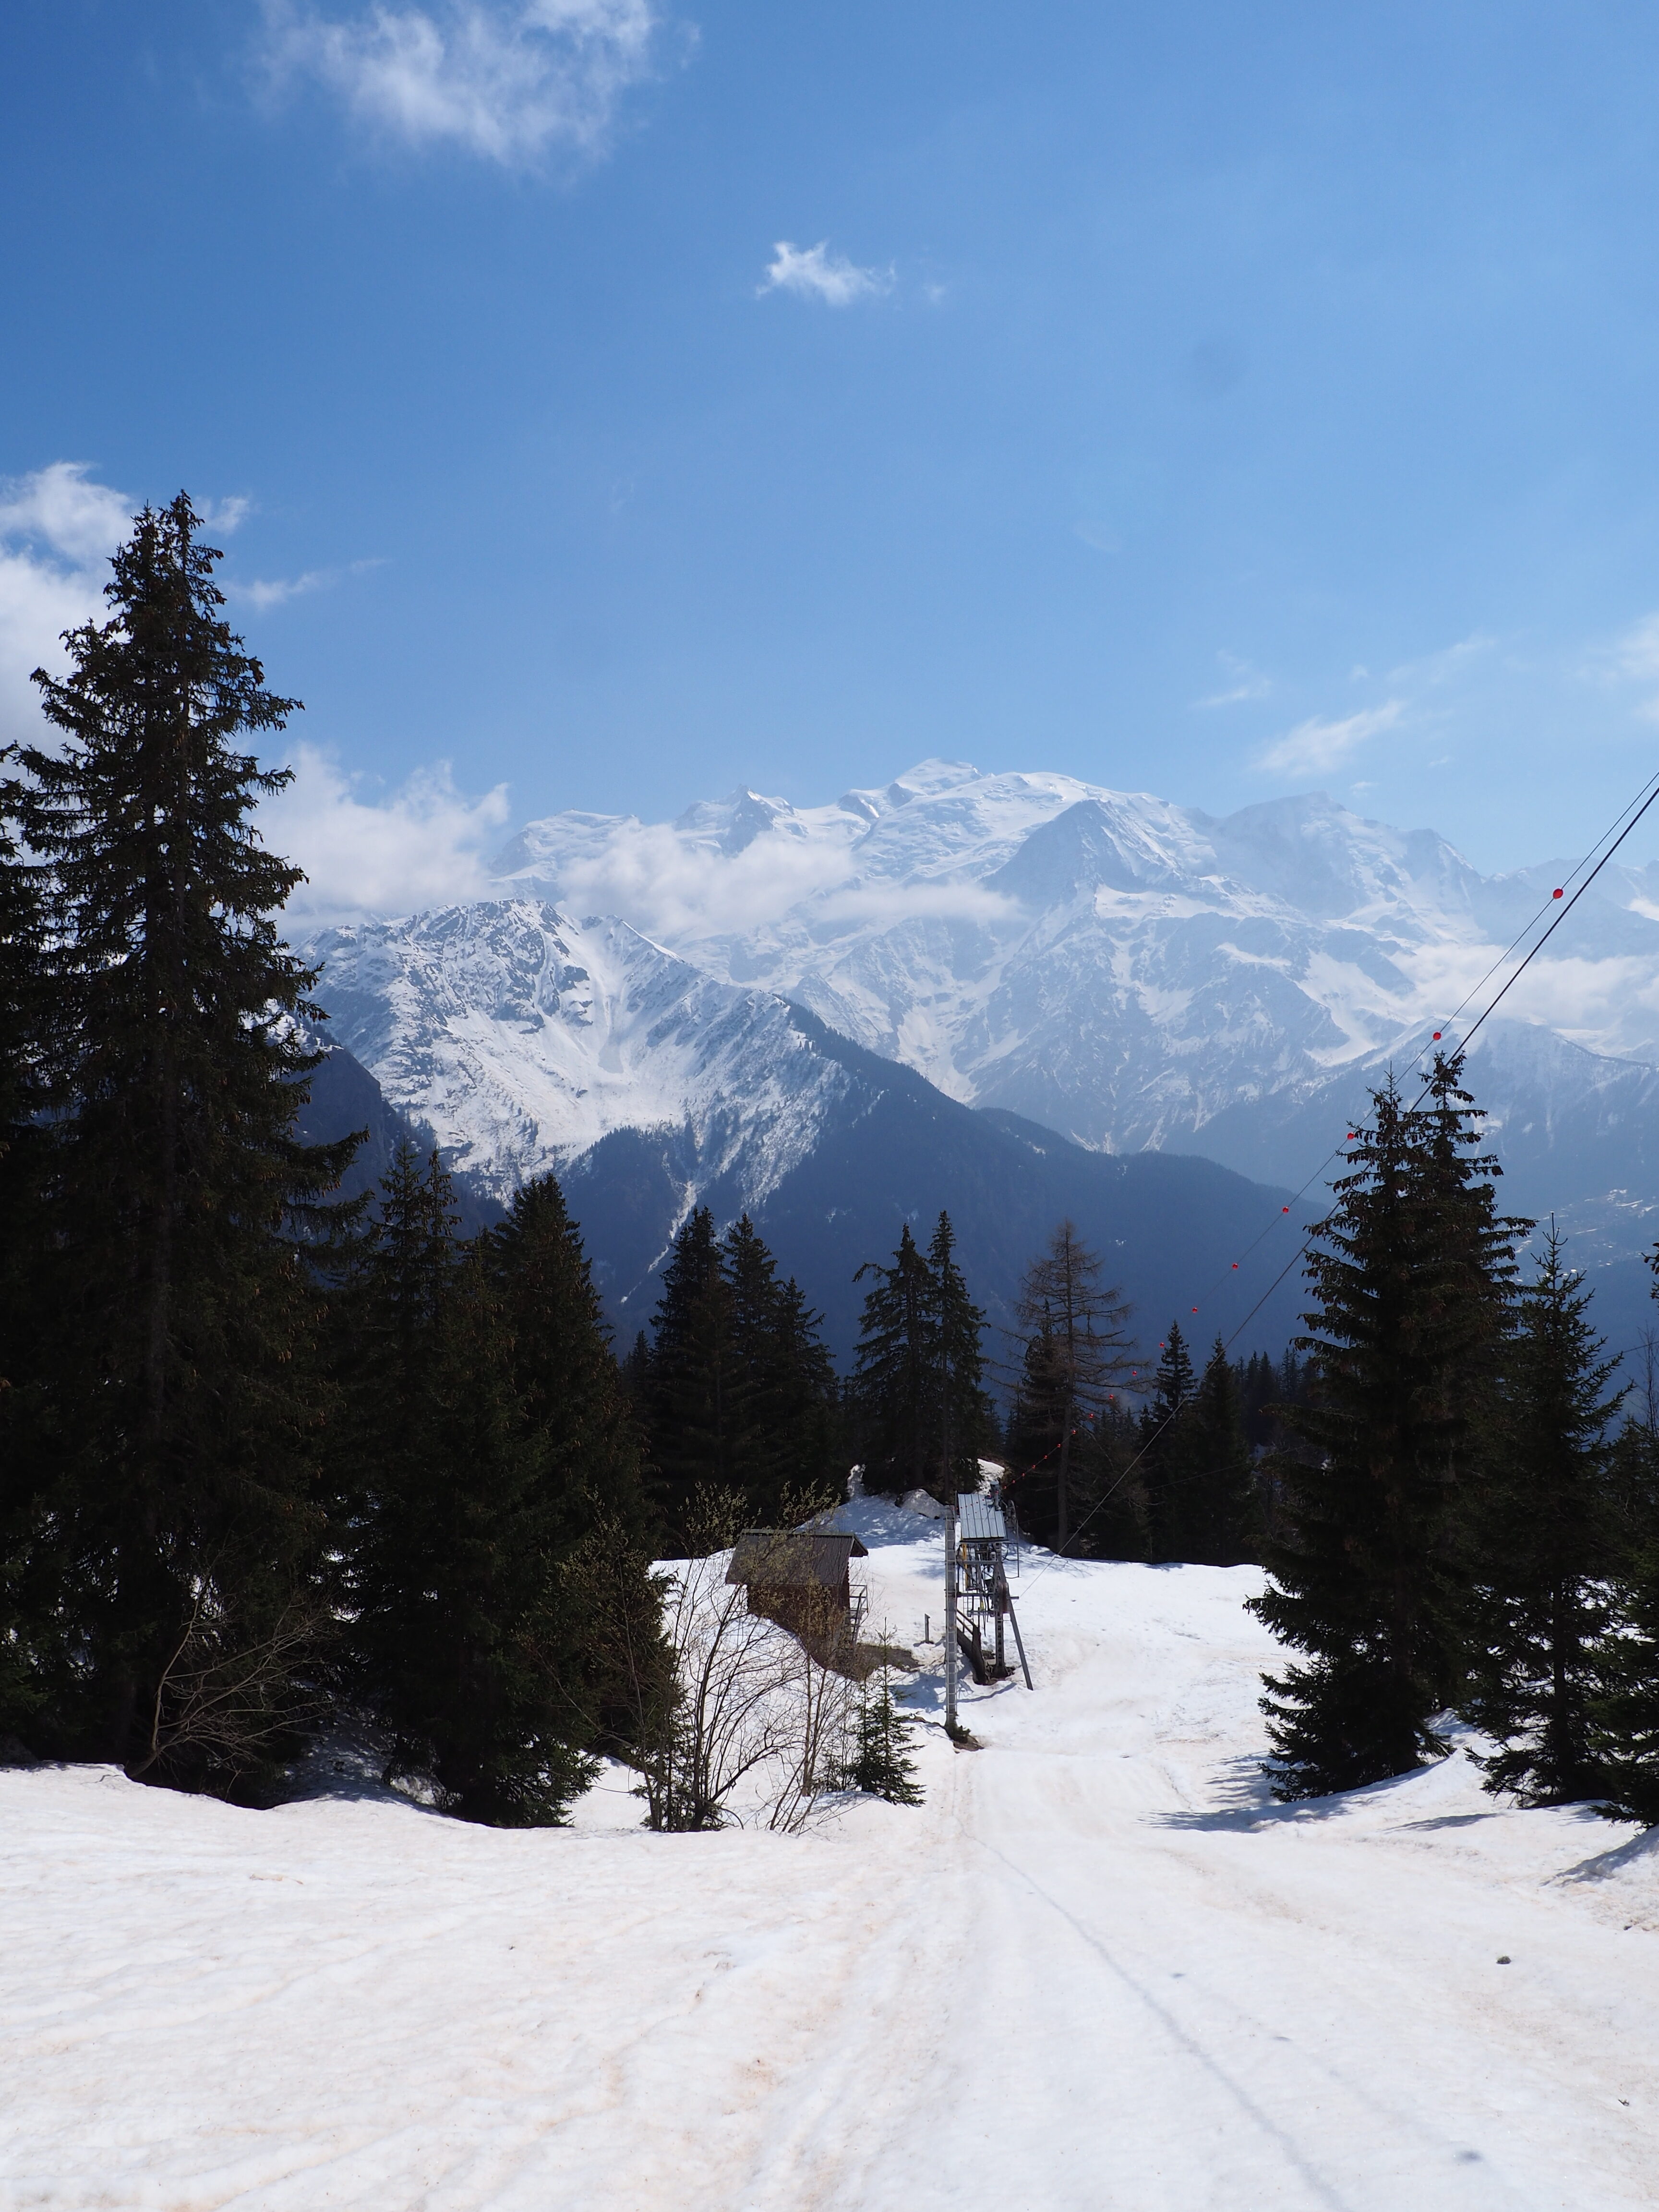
1096	1969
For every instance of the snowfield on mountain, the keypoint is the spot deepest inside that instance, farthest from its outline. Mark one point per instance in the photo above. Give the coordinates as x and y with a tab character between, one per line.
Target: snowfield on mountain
1126	972
1098	1968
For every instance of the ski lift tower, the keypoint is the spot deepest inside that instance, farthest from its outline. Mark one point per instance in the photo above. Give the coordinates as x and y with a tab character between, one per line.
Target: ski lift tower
986	1548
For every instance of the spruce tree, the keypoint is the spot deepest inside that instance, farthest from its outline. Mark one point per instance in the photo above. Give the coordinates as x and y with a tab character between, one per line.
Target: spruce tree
881	1765
26	1134
495	1438
924	1413
1624	1713
168	1557
1221	1514
1543	1534
1411	1274
963	1416
739	1389
799	1410
1624	1745
895	1378
699	1417
1164	1439
789	1406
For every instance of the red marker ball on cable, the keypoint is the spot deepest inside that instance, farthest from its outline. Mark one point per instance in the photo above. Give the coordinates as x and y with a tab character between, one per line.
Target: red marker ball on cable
1555	894
1437	1036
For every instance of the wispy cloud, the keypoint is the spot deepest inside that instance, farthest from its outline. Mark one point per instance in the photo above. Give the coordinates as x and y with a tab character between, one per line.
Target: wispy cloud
812	272
262	593
420	847
1243	683
225	515
1634	659
1449	666
277	591
1314	747
510	83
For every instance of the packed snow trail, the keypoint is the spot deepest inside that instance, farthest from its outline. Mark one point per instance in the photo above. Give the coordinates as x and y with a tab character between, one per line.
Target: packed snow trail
1096	1969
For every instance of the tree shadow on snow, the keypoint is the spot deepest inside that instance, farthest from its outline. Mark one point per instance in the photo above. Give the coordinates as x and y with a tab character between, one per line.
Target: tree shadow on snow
1247	1803
1605	1864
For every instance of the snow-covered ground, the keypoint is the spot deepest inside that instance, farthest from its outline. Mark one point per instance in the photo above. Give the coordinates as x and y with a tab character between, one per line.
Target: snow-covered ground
1096	1969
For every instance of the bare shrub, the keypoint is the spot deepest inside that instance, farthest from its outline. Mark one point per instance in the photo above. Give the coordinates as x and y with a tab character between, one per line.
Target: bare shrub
233	1694
733	1721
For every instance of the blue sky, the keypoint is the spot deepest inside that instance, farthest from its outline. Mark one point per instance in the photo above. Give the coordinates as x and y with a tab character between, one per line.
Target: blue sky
1211	399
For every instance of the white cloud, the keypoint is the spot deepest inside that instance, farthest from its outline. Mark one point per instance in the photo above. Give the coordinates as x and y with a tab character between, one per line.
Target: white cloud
510	83
423	846
1314	746
670	889
56	530
815	273
682	891
56	508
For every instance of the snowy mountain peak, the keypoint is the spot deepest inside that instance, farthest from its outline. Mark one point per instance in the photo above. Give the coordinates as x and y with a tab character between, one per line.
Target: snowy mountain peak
929	777
523	1037
1130	972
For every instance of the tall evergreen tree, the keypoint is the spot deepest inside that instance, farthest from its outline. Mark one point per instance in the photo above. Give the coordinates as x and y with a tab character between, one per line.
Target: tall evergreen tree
800	1408
1221	1513
1543	1536
924	1413
738	1387
26	1449
1075	1351
496	1437
1411	1275
1164	1439
897	1367
699	1413
964	1417
170	1533
790	1401
1624	1745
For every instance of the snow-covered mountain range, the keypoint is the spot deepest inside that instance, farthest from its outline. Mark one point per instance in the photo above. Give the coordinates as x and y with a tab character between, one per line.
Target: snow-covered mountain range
1128	973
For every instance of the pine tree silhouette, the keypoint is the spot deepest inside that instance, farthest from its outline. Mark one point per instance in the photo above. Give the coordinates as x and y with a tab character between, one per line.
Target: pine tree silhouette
1543	1538
161	1523
1411	1274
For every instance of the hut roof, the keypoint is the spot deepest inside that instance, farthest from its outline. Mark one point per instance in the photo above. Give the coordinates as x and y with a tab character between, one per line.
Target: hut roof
979	1520
794	1557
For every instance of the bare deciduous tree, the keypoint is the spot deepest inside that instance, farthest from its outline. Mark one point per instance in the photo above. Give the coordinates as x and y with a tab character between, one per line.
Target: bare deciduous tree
1074	1346
735	1721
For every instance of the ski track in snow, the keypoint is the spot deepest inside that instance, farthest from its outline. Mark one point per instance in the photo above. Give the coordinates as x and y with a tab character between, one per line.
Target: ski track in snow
1097	1969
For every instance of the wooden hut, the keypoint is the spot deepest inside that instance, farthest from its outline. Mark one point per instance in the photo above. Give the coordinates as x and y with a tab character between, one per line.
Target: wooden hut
801	1578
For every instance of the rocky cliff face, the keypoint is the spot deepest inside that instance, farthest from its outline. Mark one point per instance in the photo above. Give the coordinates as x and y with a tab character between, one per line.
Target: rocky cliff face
522	1038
